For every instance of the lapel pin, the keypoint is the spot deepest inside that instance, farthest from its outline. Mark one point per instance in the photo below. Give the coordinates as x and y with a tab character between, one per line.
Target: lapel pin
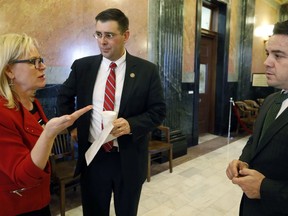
132	75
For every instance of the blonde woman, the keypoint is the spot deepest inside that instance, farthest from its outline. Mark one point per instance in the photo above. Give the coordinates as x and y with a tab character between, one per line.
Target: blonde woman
26	137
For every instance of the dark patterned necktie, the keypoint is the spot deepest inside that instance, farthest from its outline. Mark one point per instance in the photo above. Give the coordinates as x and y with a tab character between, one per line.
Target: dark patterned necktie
273	111
109	98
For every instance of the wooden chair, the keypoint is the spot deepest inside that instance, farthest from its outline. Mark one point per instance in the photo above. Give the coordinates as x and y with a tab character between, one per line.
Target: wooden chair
63	164
246	116
157	147
253	106
260	101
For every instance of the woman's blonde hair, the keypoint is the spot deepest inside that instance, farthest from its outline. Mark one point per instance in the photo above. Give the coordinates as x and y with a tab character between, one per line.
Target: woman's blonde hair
12	47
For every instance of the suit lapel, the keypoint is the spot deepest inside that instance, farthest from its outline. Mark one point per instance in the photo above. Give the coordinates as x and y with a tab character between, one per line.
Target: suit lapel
279	123
261	118
129	82
91	76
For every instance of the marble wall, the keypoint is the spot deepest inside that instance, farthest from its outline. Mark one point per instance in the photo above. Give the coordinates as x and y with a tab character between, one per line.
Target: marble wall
266	13
235	32
64	28
189	22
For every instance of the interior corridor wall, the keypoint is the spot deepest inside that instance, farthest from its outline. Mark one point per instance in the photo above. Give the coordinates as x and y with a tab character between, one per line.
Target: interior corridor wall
64	28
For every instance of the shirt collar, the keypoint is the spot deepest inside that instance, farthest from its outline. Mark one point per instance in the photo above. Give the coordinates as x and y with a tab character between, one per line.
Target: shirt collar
118	62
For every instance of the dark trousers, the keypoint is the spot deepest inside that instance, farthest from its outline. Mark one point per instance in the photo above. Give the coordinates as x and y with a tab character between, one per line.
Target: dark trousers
102	178
42	212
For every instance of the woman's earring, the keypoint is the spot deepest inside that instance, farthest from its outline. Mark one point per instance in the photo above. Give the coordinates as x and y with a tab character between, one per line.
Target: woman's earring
11	83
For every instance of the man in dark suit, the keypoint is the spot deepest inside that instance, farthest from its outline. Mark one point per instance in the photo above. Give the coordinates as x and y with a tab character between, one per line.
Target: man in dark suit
140	105
262	169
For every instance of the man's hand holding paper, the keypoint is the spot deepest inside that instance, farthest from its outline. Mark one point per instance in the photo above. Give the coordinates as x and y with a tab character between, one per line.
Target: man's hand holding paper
108	118
121	127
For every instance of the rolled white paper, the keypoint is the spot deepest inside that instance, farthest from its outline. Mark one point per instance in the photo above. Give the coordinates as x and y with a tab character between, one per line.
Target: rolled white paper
108	117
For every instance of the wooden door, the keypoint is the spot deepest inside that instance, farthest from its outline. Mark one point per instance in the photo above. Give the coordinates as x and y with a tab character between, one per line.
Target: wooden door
207	80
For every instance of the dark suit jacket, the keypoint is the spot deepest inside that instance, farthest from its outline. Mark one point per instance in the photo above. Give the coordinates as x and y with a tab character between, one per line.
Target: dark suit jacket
270	157
142	105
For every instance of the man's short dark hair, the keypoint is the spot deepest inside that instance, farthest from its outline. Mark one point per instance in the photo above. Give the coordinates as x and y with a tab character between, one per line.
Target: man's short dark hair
281	28
114	14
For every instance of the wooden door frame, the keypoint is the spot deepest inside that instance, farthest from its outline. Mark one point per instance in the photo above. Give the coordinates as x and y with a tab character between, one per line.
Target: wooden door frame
212	35
222	96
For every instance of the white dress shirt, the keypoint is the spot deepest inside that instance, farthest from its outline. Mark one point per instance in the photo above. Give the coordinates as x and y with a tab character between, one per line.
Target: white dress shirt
99	93
284	103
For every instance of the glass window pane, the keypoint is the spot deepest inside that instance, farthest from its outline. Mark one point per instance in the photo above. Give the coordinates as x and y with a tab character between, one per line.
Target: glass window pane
206	18
202	80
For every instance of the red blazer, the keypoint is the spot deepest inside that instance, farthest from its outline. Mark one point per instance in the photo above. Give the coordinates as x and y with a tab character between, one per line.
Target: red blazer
23	186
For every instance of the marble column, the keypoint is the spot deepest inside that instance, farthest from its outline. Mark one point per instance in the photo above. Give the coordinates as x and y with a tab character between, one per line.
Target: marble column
245	52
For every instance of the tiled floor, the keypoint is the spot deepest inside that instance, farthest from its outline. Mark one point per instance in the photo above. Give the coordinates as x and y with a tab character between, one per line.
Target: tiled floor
198	187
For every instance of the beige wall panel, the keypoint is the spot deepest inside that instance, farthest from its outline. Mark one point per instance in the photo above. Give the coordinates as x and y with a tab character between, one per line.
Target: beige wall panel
64	28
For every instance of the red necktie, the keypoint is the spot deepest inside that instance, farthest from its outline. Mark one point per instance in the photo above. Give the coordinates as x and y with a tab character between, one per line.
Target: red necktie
109	98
